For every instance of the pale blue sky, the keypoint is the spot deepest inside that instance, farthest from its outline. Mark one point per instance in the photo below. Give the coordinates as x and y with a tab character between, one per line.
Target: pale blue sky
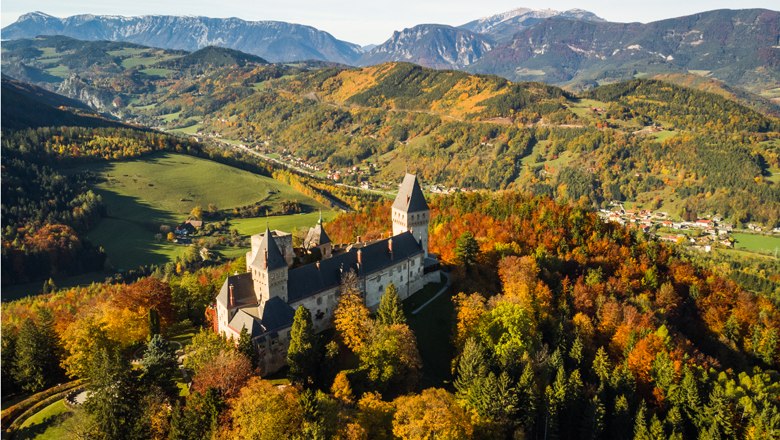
371	21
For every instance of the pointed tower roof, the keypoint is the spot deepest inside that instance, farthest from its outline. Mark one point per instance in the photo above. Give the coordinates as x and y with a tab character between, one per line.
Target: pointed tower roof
316	236
268	250
410	196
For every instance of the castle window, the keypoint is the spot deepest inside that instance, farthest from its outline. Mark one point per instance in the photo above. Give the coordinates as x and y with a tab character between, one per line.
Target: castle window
380	289
319	300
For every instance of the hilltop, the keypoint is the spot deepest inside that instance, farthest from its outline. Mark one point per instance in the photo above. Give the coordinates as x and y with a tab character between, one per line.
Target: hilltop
458	130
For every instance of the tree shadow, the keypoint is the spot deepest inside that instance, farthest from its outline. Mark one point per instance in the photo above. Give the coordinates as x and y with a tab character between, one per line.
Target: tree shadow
33	431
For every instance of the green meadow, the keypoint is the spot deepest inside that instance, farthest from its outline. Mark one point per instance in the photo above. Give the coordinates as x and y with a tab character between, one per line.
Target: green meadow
144	194
763	244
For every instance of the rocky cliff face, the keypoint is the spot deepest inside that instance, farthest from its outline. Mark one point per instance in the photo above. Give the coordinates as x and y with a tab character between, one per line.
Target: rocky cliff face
273	40
431	45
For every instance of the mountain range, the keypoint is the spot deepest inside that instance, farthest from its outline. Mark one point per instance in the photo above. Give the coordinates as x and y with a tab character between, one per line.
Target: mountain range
573	48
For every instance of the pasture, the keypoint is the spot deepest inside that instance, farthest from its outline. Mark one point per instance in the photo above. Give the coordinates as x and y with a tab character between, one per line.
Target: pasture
763	244
144	194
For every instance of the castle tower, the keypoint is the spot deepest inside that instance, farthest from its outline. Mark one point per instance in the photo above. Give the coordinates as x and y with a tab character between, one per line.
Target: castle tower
411	212
269	270
318	238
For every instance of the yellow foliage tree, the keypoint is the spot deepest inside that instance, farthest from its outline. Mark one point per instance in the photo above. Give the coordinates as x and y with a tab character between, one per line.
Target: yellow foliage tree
435	413
341	388
352	318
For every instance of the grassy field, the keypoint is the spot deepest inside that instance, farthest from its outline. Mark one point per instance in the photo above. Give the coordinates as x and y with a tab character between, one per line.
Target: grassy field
46	424
161	189
757	243
192	129
288	223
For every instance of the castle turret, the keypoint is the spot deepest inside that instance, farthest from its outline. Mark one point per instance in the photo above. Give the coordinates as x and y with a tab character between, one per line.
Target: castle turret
411	212
269	270
317	238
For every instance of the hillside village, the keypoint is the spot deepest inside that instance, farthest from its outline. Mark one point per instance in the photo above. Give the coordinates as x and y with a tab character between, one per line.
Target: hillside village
703	233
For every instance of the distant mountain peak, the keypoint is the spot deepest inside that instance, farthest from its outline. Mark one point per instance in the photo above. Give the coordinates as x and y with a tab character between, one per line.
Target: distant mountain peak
503	25
272	40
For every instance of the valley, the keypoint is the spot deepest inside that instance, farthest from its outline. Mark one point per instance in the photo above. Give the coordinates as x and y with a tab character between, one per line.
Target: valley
539	224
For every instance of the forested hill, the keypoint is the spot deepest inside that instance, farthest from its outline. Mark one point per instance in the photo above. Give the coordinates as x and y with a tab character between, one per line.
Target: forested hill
668	147
458	130
213	56
558	325
28	106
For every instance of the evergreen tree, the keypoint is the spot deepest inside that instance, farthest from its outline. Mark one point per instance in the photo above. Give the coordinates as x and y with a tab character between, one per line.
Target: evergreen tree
302	356
527	397
390	310
472	366
38	354
640	424
466	249
154	322
159	366
247	347
8	355
112	401
718	412
657	429
198	418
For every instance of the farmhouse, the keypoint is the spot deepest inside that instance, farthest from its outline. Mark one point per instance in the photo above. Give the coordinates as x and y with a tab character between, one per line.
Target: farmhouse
263	300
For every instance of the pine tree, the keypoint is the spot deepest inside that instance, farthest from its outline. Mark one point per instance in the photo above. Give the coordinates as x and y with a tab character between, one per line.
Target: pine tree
160	366
640	424
466	249
575	354
38	354
302	355
657	429
247	347
112	400
472	366
527	397
390	310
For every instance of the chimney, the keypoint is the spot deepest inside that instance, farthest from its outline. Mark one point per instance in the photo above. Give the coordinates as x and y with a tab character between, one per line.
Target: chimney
231	299
360	258
358	239
317	264
390	245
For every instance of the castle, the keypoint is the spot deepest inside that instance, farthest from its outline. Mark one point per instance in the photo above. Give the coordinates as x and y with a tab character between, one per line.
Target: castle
263	300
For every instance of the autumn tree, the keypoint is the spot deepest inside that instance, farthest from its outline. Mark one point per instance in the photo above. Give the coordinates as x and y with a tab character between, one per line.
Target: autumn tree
303	354
83	337
390	357
203	349
352	318
390	310
341	389
226	373
197	212
264	412
434	413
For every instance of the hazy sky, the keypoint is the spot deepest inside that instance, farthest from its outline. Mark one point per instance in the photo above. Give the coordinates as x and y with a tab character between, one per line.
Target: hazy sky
371	21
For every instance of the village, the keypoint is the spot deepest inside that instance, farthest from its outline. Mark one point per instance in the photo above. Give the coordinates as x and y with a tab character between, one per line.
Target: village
702	234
